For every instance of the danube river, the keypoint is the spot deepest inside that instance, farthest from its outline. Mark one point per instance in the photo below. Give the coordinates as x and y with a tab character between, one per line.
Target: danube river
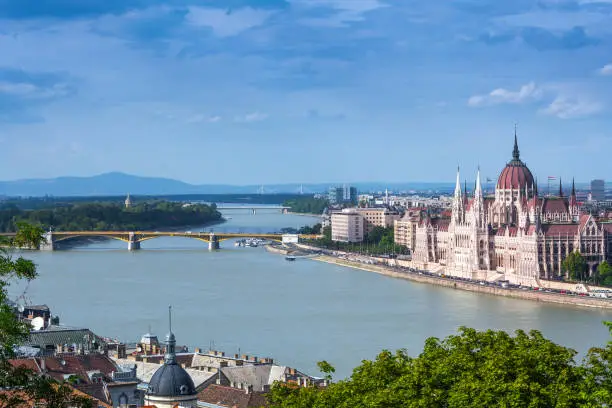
248	300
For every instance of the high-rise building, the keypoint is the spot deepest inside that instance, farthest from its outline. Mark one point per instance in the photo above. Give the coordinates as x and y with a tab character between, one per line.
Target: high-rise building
597	190
342	195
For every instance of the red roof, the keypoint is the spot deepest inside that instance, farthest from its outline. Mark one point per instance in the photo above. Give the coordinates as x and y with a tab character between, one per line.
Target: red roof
515	176
77	365
232	397
560	229
555	205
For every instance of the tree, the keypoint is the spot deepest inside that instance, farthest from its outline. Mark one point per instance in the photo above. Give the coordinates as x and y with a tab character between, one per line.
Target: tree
469	369
604	273
326	369
575	265
597	384
13	331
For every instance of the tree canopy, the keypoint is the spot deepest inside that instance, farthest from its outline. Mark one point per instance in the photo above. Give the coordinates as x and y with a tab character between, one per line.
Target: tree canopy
110	216
575	265
470	369
18	385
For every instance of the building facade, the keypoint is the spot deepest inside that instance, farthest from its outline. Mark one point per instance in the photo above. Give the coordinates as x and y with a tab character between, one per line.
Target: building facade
404	230
515	235
347	226
342	195
598	190
377	217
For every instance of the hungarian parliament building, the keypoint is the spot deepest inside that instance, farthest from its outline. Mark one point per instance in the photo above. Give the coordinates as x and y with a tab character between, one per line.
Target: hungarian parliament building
515	235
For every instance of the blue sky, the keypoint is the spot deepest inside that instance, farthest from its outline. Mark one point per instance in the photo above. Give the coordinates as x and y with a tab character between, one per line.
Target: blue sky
271	91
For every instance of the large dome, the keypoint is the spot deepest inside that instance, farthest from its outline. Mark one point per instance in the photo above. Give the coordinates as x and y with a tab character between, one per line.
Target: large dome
171	380
515	175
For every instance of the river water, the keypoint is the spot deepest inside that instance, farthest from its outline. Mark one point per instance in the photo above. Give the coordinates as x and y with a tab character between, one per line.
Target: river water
253	302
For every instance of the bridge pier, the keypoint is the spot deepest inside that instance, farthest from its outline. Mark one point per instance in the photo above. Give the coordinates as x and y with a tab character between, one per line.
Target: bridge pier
213	242
47	244
133	243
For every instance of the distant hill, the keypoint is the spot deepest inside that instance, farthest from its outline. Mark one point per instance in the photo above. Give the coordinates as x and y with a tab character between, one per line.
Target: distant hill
120	184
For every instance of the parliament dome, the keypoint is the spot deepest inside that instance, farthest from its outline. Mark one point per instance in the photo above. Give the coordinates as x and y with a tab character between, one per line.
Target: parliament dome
516	175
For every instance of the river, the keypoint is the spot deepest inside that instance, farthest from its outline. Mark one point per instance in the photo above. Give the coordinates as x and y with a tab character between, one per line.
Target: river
249	301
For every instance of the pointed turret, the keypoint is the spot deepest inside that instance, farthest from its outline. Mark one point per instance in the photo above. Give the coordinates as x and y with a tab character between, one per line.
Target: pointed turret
573	188
573	202
170	357
560	188
457	185
478	206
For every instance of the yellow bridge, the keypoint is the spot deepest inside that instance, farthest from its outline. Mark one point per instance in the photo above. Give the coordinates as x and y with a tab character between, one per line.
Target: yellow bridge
134	238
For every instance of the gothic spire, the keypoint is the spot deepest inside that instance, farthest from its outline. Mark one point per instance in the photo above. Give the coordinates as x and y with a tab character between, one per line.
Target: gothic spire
573	188
458	185
170	357
560	188
515	153
478	190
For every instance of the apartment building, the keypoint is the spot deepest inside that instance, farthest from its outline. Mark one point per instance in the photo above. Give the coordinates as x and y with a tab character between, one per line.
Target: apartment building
347	226
404	230
377	217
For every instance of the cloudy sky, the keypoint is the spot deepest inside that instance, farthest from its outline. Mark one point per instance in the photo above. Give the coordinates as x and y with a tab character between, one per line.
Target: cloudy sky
267	91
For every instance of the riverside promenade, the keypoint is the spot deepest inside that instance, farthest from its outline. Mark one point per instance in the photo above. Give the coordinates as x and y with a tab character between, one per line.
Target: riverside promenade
473	286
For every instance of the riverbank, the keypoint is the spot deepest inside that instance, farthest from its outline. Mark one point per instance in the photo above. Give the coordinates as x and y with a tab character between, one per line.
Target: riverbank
305	214
538	296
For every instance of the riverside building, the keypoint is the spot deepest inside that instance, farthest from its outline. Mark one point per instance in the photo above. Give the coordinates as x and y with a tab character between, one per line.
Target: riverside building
515	235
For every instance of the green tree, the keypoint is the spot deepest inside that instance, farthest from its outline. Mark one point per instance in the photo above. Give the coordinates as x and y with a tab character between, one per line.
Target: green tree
469	369
604	273
13	331
575	265
326	369
597	384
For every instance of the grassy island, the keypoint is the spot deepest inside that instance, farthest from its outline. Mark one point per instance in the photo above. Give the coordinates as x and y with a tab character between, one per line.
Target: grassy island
109	216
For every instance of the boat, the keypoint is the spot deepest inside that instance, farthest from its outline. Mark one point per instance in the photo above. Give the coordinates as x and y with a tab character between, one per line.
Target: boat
290	258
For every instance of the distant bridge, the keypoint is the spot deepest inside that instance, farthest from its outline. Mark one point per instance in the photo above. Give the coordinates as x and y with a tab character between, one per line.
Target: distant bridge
134	238
253	209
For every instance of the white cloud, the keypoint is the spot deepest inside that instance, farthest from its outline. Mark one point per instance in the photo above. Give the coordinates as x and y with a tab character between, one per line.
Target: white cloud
226	23
251	117
200	117
526	93
346	11
565	107
31	91
606	70
214	119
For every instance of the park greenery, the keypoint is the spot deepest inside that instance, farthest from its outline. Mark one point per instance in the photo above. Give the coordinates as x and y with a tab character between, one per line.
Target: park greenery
577	269
307	205
110	216
379	241
480	369
17	384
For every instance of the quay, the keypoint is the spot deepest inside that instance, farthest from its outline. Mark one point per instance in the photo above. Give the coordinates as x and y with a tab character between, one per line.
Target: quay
471	286
134	238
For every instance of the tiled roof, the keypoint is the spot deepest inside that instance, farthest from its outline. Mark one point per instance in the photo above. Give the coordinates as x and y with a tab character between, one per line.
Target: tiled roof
77	365
515	176
55	335
560	229
555	205
231	397
94	390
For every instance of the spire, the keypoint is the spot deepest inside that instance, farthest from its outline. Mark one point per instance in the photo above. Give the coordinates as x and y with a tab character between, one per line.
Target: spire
478	190
515	152
170	357
458	185
573	188
560	188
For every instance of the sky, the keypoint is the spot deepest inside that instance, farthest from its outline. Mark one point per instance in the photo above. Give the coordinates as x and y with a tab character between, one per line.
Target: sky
305	91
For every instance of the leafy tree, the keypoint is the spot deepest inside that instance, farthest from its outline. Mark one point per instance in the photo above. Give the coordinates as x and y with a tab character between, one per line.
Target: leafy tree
604	272
14	331
307	205
597	384
326	369
469	369
575	265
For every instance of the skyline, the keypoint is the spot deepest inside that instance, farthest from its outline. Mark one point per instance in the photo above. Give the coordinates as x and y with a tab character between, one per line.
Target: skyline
332	90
